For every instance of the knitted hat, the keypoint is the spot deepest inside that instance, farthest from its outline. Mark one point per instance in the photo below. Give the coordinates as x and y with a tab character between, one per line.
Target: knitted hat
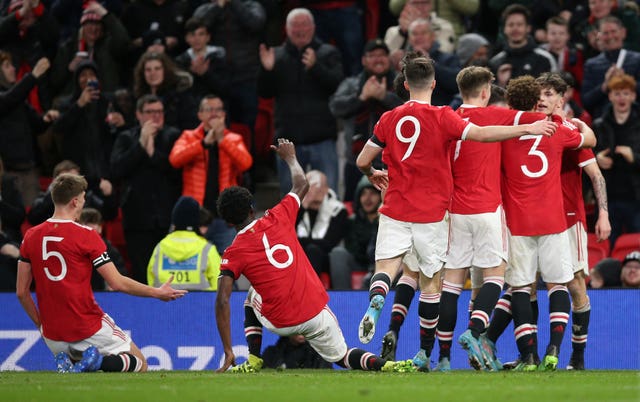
90	16
153	37
632	256
468	44
186	214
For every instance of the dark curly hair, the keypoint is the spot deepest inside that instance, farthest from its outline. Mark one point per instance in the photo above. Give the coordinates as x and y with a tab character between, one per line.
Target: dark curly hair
235	204
523	93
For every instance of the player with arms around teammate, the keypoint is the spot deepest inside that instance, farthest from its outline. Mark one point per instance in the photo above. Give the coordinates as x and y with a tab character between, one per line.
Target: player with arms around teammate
286	295
533	202
415	138
478	235
574	162
60	255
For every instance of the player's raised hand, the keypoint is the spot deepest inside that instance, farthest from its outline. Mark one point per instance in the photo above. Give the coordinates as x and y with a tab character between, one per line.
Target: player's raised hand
285	149
229	360
543	127
167	293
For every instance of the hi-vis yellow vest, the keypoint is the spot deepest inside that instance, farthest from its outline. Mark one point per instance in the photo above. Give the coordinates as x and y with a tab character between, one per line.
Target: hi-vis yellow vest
191	259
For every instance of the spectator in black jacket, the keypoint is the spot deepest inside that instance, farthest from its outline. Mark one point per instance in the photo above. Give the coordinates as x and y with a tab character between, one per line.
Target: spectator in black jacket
237	26
20	123
618	155
42	207
84	127
302	74
205	62
150	186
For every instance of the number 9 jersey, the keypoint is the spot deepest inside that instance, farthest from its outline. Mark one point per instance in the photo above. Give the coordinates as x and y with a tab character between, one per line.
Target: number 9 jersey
416	138
63	254
267	252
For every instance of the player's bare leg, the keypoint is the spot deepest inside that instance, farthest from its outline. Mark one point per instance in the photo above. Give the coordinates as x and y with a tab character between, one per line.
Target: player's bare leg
580	312
380	283
428	311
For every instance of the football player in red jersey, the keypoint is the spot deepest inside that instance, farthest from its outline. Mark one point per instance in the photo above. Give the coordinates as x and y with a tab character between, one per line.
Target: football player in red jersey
416	138
286	295
574	162
60	255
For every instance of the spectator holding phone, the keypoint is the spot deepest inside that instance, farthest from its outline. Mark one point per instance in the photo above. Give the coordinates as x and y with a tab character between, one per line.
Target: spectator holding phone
85	128
102	39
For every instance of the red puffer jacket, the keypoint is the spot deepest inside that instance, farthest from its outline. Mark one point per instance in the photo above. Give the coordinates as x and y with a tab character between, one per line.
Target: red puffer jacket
189	154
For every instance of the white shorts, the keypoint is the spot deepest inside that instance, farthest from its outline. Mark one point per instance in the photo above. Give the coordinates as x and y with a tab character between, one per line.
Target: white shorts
429	242
110	340
411	261
578	248
478	240
322	331
549	254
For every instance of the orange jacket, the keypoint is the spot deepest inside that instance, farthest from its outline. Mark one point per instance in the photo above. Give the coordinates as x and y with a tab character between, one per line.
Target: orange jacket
189	154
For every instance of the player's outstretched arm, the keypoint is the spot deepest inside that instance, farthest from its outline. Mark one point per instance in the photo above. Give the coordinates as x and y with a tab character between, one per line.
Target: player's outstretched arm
378	178
129	286
23	286
603	227
287	152
501	133
223	320
587	133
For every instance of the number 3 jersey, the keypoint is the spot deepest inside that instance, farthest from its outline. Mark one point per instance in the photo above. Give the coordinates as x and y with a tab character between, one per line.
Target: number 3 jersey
62	255
267	252
416	138
531	188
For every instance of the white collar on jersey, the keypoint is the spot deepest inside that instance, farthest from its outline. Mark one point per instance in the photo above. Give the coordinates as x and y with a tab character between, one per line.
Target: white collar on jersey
249	226
60	220
468	106
419	101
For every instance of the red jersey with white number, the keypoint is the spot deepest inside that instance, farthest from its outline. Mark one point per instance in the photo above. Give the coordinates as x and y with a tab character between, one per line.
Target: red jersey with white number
270	256
531	188
416	138
573	160
476	165
63	254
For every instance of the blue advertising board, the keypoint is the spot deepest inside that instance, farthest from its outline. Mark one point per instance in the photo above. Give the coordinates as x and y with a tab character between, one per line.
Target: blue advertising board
182	335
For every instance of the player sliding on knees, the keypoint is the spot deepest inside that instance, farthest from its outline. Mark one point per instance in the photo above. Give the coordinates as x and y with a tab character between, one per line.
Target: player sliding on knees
61	255
286	295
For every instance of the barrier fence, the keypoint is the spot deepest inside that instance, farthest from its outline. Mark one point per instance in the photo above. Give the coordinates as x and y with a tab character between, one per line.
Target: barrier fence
182	335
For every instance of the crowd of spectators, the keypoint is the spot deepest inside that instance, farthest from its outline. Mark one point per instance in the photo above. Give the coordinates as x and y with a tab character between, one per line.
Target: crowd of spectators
154	99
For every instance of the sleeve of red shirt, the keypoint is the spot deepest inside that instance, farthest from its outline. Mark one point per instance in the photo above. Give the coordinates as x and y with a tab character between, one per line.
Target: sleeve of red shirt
452	124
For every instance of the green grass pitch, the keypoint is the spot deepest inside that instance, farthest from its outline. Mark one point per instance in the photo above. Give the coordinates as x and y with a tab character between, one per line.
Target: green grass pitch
321	385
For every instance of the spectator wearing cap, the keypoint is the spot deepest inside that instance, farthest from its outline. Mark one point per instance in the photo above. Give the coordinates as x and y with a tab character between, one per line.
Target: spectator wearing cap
184	253
154	41
301	75
28	33
472	49
101	39
205	62
359	101
630	273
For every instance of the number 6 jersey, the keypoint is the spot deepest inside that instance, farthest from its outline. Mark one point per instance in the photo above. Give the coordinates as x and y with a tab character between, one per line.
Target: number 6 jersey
63	254
267	252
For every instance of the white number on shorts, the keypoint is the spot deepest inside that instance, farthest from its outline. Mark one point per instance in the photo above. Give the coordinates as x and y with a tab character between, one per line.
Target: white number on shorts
271	251
408	140
535	152
55	254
